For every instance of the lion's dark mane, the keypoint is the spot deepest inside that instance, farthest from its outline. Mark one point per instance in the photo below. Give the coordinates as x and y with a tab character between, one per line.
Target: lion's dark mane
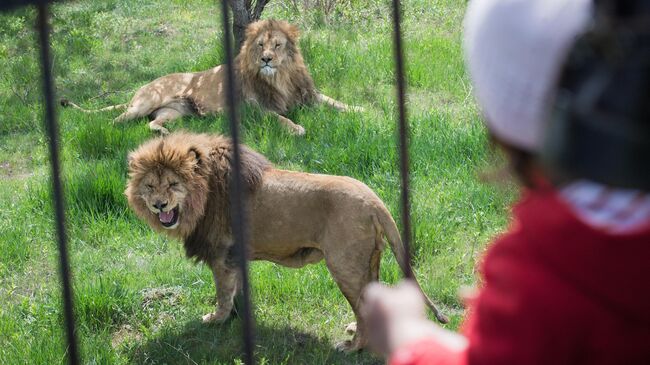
212	235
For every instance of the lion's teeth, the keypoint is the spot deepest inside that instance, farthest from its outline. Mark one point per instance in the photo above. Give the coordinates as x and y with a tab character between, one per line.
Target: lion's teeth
166	217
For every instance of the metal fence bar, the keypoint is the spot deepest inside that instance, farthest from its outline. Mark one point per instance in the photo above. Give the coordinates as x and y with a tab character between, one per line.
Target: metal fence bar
53	134
403	135
237	197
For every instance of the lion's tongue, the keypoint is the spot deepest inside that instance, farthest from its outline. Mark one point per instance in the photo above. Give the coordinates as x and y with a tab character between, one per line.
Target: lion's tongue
166	217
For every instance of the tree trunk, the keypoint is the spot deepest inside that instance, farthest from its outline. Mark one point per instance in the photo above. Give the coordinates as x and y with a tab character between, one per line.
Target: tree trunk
244	13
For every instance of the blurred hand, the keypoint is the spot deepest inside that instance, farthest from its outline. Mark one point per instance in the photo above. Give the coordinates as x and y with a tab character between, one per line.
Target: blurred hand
396	316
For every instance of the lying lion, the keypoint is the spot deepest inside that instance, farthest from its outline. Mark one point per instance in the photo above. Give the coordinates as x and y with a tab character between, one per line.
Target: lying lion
179	185
270	72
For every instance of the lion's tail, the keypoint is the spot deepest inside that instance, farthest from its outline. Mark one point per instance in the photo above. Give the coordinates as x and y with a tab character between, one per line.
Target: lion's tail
67	103
389	228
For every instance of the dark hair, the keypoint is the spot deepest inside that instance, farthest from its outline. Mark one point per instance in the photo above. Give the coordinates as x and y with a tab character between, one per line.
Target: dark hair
521	163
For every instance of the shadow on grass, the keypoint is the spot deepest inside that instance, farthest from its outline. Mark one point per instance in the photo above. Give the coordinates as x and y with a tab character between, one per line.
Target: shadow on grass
198	343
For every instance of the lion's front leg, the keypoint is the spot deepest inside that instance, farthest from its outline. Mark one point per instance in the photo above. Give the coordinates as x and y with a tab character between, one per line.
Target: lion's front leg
226	281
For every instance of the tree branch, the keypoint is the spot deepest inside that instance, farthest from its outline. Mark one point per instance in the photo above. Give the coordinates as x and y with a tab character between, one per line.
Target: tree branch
242	15
259	7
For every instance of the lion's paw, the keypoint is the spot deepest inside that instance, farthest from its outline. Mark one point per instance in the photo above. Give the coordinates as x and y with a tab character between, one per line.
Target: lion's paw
347	346
298	130
216	317
160	129
351	328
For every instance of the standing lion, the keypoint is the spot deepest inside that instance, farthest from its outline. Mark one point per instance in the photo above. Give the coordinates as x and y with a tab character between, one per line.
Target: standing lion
270	72
179	185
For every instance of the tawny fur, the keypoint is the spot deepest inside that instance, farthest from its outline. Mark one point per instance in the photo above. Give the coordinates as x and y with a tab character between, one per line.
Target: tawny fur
269	71
295	218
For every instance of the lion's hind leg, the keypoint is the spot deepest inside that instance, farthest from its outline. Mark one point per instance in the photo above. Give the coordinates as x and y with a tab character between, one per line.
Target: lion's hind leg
139	107
162	116
132	112
352	271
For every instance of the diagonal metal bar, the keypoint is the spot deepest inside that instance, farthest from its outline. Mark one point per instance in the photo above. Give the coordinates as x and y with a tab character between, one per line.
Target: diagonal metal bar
53	134
403	134
237	197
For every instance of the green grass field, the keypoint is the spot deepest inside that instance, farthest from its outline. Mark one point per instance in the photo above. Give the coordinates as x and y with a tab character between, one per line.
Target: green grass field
138	300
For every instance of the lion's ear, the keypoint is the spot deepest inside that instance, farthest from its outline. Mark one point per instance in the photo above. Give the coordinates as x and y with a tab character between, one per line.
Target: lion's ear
293	33
252	29
130	160
195	154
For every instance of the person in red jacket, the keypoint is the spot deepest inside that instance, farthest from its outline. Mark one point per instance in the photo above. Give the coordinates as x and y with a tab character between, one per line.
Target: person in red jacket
569	281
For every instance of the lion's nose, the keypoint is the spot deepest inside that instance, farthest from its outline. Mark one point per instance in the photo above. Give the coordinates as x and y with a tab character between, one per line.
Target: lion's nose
267	59
160	205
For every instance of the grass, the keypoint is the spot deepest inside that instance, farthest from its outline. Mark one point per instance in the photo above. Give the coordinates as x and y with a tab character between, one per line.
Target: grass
137	299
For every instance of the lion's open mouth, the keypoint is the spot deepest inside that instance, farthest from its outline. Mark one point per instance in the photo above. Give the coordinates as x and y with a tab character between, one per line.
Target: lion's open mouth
169	219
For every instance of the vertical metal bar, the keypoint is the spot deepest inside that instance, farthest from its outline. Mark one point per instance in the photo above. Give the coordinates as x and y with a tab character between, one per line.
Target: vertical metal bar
403	135
53	134
236	192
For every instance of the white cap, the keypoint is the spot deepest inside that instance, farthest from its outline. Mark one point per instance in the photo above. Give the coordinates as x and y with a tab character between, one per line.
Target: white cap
515	50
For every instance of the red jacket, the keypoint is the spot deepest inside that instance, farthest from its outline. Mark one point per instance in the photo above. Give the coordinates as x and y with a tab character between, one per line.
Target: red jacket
556	291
